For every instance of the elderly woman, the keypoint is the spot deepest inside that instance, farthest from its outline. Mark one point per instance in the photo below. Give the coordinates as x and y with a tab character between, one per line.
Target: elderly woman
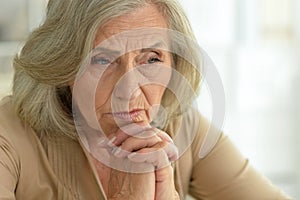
85	120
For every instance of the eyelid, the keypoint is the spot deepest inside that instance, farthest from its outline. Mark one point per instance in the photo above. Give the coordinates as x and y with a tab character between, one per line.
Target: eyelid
155	54
104	56
152	53
101	55
152	50
147	55
102	60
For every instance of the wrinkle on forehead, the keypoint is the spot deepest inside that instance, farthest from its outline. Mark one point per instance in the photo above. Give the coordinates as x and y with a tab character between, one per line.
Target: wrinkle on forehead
138	39
144	17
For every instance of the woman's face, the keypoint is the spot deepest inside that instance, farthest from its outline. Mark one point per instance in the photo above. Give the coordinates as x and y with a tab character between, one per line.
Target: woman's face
121	93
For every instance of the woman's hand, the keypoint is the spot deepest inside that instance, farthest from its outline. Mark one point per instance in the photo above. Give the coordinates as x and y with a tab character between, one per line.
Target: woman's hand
153	147
131	186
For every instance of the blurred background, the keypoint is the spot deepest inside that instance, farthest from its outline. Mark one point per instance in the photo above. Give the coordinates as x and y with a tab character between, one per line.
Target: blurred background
255	46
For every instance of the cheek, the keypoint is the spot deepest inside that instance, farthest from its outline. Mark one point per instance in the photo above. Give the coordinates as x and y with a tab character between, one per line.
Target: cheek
153	93
102	94
83	95
105	86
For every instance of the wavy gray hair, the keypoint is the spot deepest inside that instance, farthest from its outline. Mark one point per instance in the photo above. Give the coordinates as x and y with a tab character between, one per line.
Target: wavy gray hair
53	53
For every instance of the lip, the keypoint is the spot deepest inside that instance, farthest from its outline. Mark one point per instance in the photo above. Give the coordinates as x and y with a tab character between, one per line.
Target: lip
133	115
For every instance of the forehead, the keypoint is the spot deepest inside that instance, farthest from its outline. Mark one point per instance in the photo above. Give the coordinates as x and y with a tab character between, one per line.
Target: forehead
146	17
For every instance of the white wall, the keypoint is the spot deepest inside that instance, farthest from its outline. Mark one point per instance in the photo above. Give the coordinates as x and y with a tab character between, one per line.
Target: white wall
254	44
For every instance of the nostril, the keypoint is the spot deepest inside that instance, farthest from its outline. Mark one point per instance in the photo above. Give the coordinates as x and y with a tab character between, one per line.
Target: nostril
127	93
128	86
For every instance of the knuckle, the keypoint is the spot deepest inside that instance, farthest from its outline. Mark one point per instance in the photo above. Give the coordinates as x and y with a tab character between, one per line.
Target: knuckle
126	145
164	143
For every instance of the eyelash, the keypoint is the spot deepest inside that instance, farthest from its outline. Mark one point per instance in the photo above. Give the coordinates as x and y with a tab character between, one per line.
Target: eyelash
156	58
97	60
151	60
153	57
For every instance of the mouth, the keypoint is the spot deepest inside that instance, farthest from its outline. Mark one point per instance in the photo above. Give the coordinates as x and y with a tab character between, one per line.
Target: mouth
135	115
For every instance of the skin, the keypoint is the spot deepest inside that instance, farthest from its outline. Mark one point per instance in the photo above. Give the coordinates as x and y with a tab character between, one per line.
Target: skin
158	184
143	97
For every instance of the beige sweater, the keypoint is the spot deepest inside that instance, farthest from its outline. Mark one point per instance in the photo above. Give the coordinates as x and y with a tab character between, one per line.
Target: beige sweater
34	168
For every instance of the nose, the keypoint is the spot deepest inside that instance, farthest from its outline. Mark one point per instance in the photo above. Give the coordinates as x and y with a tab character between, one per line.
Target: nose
128	85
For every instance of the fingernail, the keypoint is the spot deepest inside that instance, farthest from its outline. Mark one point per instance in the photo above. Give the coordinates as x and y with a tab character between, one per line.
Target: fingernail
116	151
132	155
100	141
165	136
170	139
111	142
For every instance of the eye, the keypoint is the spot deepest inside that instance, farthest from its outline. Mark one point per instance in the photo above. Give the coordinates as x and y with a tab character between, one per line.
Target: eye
153	60
101	60
152	57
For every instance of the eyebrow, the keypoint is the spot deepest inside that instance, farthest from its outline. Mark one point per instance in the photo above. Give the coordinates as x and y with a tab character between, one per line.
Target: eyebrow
157	45
102	49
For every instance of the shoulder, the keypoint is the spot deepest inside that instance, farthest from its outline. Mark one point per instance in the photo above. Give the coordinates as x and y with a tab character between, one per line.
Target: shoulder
12	131
11	127
9	156
17	140
7	119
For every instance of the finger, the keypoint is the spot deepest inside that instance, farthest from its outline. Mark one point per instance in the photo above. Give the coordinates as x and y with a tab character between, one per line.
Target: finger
125	132
172	152
170	149
97	142
163	173
134	144
164	136
163	178
157	157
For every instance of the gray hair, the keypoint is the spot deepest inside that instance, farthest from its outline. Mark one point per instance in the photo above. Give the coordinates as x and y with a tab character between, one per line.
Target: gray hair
53	53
